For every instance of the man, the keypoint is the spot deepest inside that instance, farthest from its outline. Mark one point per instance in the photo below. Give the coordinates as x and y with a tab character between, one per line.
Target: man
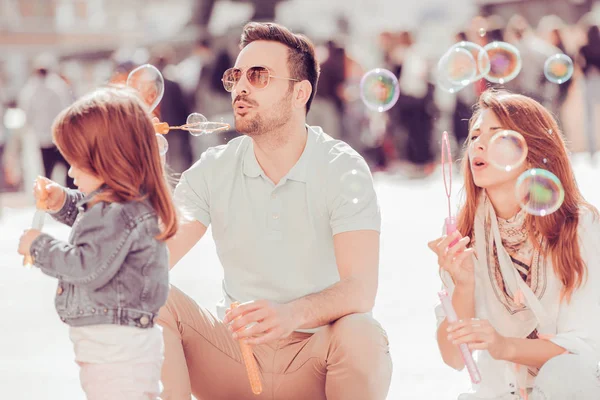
296	224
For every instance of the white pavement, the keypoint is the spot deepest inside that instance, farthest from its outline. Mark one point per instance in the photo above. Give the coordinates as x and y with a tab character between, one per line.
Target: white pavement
36	356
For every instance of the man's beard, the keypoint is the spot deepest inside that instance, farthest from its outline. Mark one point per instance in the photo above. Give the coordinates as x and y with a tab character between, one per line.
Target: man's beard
261	124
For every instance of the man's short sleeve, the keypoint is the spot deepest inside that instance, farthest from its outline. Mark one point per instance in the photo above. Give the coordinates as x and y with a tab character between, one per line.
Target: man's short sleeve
192	195
352	201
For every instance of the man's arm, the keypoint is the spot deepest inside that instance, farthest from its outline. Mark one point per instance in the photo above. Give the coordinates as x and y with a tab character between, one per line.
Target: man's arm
188	234
357	256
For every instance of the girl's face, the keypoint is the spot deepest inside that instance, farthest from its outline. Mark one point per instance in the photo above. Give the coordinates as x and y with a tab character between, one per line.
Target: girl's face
486	175
85	181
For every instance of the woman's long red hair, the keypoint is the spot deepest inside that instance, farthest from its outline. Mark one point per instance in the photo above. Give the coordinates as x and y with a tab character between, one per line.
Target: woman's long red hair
109	134
544	140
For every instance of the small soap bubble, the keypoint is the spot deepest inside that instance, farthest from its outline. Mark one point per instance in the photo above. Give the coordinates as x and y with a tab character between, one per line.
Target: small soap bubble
149	83
539	192
505	61
163	145
355	186
559	68
379	89
507	150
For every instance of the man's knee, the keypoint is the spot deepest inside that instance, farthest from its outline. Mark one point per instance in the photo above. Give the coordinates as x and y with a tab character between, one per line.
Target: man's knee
567	376
169	314
359	346
360	327
362	337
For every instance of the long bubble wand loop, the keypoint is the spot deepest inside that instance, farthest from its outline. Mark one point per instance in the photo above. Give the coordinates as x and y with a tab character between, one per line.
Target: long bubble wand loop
450	224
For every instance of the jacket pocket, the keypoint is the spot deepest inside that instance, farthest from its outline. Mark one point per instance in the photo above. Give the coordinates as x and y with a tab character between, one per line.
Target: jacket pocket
64	292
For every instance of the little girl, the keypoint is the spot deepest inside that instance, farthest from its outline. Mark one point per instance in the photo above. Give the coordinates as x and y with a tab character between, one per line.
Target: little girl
113	272
526	288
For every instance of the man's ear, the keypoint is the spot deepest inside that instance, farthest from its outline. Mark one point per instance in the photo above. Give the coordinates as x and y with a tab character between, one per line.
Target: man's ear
302	93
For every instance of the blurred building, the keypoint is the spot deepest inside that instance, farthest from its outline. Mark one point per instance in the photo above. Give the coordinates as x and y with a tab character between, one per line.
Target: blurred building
569	11
83	30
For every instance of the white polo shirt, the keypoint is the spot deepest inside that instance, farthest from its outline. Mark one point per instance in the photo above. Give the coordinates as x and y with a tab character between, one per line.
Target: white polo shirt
275	242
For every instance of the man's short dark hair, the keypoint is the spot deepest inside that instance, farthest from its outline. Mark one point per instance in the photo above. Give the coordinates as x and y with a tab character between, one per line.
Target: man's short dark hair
302	62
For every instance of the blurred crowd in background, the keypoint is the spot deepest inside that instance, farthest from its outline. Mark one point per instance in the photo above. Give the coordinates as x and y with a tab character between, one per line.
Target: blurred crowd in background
404	140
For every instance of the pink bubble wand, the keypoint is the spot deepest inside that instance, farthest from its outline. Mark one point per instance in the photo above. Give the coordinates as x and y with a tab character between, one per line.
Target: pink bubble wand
465	353
450	225
450	222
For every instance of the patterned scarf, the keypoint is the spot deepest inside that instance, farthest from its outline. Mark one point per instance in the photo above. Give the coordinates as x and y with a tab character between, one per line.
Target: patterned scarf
526	260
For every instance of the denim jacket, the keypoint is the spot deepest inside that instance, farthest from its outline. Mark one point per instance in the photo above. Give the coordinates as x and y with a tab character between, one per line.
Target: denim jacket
112	270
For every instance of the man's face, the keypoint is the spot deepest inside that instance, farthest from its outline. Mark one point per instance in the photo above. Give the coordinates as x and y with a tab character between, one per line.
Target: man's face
258	111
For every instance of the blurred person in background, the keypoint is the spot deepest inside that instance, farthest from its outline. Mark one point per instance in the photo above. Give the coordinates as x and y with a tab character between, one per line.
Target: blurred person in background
416	108
534	52
589	57
194	68
174	110
329	104
43	97
550	28
2	142
206	65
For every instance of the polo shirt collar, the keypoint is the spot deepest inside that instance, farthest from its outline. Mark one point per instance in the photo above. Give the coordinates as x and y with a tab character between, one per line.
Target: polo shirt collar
299	170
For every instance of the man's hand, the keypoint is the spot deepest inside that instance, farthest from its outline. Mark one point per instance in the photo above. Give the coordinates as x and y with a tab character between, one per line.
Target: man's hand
270	321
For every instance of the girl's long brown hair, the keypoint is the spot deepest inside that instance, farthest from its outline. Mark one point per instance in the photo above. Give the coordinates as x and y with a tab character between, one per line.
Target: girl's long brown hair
109	134
544	140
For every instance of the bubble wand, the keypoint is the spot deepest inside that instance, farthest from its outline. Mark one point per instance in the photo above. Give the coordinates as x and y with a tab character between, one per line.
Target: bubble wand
250	362
450	225
38	218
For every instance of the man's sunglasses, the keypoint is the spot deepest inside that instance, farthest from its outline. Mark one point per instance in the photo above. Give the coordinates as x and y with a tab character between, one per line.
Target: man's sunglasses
259	77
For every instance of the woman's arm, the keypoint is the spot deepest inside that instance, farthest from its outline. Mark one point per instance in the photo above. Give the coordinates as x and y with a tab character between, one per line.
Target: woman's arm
531	352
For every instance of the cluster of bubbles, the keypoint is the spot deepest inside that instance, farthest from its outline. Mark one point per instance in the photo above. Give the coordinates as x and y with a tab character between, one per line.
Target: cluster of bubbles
149	83
497	62
539	192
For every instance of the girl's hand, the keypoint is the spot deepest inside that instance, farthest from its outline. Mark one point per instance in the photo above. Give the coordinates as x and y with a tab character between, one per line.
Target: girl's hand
48	194
457	259
26	239
479	334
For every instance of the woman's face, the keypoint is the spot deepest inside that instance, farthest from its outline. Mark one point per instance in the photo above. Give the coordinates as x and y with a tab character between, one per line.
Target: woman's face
486	175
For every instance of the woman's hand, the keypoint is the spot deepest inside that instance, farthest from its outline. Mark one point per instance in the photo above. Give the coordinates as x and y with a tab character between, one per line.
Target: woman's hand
479	334
457	259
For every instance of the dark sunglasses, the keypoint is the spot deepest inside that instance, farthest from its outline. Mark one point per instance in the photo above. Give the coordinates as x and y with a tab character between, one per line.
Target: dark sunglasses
258	76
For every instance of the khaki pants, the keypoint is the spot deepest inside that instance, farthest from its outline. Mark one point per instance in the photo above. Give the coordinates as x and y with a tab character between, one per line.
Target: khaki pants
348	359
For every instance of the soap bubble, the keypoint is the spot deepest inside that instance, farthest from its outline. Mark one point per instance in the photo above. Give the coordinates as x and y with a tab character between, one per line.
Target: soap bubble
539	192
505	62
558	68
379	89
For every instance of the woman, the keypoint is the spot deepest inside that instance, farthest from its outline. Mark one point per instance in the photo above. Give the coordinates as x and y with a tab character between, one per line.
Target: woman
526	289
